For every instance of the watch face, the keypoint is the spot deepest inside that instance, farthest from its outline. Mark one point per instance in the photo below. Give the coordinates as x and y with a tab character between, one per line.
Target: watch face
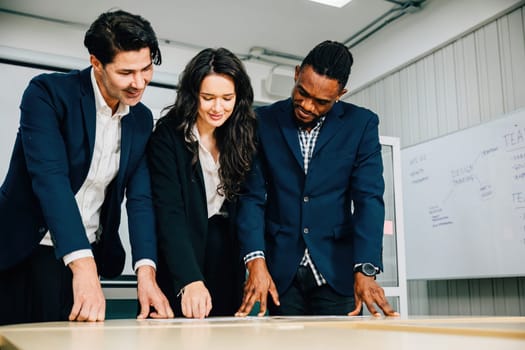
369	269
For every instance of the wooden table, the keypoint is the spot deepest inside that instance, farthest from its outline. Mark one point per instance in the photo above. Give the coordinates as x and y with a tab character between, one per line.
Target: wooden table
273	333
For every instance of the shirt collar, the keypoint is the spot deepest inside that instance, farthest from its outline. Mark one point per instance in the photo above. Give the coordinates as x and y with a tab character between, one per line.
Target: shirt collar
195	132
101	105
315	126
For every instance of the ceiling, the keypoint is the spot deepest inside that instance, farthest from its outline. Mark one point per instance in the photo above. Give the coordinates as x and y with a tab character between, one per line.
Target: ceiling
291	27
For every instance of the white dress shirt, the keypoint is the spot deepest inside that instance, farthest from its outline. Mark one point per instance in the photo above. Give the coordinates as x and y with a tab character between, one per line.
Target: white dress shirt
210	173
102	170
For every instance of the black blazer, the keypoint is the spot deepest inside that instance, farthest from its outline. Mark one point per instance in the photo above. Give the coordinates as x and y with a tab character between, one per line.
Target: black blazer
179	198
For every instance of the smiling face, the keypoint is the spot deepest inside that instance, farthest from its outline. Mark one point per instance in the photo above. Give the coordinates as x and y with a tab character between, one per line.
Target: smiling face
125	78
216	101
313	94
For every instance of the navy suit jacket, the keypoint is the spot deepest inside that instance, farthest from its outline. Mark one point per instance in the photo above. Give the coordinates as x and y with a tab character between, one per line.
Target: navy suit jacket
336	210
50	161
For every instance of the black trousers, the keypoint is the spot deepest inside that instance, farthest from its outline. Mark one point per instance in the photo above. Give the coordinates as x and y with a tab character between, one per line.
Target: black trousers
37	290
305	297
223	271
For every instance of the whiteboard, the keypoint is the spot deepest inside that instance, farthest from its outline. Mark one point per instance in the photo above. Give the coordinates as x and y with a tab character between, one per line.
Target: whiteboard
16	79
464	201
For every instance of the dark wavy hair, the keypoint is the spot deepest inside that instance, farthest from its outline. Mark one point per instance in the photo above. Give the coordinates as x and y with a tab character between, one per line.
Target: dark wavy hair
116	31
236	138
331	59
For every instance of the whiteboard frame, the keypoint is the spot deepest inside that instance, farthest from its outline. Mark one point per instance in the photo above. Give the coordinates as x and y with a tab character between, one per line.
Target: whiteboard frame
401	290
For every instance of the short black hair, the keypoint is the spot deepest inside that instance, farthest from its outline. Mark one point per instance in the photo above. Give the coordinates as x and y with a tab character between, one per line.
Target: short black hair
116	31
332	59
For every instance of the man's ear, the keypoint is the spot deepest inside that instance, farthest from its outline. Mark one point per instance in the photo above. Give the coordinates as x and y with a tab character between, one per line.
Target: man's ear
341	93
95	62
297	71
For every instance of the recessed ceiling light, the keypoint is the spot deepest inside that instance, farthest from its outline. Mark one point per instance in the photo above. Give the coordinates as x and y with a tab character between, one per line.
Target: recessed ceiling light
334	3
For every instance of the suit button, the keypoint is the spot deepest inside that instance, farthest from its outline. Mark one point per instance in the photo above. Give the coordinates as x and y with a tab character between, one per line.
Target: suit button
41	229
306	199
306	230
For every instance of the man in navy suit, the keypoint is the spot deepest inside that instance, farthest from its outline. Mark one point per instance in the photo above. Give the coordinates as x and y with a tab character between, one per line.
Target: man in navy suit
311	216
79	149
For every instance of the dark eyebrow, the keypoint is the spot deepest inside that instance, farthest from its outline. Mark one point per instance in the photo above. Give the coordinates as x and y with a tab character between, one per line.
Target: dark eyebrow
208	94
307	94
148	66
132	70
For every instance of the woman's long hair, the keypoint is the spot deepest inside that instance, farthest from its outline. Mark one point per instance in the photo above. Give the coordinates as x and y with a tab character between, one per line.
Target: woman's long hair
236	138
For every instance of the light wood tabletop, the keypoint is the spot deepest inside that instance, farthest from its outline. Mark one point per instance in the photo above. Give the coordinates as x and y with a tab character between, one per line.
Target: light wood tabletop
272	333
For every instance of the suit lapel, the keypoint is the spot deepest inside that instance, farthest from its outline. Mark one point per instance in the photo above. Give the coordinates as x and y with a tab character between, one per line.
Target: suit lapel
197	170
289	131
126	139
331	126
88	109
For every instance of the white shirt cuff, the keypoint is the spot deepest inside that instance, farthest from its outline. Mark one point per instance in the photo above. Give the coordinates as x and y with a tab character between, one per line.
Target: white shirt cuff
144	262
77	254
253	255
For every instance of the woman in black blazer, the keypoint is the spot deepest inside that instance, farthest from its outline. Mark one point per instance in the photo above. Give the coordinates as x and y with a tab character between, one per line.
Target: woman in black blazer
199	154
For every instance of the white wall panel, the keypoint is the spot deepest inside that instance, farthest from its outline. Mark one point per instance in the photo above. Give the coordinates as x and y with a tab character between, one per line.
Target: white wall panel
513	59
428	92
470	79
489	57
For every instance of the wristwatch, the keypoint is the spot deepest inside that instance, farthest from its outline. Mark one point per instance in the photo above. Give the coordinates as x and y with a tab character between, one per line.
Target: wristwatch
366	269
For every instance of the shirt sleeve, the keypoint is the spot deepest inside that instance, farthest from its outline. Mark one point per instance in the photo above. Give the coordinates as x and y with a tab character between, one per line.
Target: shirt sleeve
253	255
